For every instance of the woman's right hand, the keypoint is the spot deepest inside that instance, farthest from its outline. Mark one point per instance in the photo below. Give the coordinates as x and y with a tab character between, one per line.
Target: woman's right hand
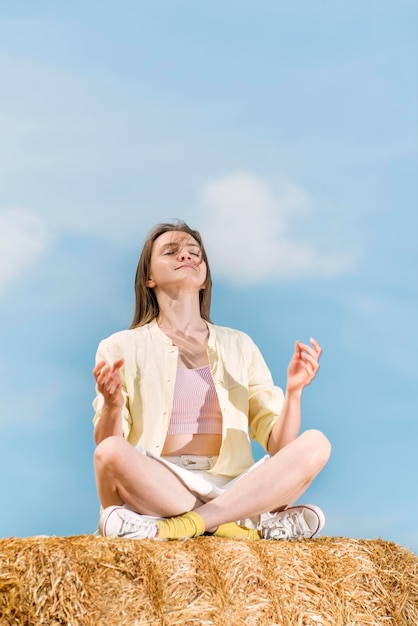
109	383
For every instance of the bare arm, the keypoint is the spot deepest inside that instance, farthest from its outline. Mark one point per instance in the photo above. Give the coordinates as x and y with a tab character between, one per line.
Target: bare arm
302	369
287	428
109	385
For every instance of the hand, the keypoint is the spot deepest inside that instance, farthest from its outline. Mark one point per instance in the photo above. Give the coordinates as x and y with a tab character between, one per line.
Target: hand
303	366
109	383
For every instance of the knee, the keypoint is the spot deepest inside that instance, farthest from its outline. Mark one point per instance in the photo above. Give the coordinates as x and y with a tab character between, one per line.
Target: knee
317	449
109	451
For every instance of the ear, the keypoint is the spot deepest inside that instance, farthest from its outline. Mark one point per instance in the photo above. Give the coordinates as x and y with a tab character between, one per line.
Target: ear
150	283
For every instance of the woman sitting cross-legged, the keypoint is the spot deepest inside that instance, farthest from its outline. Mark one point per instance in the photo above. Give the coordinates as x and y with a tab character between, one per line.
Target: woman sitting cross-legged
178	399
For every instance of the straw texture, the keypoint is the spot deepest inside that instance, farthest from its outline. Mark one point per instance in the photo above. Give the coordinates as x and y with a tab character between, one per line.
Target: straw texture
91	581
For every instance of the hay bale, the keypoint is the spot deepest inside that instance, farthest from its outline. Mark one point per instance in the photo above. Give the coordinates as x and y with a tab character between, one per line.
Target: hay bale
91	581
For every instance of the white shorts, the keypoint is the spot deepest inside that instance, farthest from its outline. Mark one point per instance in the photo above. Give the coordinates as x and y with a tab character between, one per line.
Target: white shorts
192	471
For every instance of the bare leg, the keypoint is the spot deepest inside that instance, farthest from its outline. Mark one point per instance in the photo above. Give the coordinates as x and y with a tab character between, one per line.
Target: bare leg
125	476
279	481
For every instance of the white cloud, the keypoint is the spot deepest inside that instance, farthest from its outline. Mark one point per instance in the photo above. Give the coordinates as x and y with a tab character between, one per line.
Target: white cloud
245	226
23	237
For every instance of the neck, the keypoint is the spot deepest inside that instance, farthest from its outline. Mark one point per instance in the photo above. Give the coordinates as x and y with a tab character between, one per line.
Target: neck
181	314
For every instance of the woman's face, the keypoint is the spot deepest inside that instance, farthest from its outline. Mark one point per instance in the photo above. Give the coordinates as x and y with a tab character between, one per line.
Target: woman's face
176	263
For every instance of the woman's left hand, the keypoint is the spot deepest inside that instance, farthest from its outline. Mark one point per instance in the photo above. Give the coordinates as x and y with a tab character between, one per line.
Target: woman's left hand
303	366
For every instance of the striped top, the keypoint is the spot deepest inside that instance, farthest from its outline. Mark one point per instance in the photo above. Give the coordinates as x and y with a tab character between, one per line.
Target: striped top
196	407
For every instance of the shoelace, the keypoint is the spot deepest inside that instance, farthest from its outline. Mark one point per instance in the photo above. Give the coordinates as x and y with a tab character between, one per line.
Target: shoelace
130	527
290	526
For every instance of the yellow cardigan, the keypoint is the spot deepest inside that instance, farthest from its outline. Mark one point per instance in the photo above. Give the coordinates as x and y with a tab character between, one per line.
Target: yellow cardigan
249	401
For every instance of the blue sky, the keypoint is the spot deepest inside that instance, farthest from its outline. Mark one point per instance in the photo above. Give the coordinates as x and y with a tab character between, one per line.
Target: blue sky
287	133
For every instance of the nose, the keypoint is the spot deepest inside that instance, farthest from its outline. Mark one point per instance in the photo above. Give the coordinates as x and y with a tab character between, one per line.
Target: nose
183	254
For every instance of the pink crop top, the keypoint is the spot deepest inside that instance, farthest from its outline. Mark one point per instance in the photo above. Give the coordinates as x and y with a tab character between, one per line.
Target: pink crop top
196	407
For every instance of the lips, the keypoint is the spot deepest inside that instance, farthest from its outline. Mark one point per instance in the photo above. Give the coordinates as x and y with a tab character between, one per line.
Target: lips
186	265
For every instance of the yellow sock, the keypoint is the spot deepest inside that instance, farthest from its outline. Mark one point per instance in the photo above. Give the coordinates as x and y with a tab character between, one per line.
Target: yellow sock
181	527
234	531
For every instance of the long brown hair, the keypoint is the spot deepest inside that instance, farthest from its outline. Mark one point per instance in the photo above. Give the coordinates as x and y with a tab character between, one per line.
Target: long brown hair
146	305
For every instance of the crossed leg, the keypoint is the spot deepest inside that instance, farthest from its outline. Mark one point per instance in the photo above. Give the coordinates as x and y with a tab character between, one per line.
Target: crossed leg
272	485
125	476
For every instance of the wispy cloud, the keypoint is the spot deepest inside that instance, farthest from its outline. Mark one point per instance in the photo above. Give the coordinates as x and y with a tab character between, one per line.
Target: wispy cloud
246	230
23	237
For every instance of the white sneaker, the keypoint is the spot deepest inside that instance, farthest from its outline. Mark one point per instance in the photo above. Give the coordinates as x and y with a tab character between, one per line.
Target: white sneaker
117	521
296	522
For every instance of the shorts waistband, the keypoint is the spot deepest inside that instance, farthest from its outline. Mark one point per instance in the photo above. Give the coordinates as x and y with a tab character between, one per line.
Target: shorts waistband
192	461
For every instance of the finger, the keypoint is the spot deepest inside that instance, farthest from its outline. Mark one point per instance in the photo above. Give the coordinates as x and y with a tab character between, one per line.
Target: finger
104	376
107	388
310	369
114	377
306	349
316	345
299	347
312	358
101	376
313	351
112	387
97	369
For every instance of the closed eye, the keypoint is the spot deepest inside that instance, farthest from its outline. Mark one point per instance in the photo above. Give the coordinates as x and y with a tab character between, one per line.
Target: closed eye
168	252
174	249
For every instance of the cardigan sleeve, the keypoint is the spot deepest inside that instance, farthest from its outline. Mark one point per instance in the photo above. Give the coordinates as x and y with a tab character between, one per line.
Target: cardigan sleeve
264	397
